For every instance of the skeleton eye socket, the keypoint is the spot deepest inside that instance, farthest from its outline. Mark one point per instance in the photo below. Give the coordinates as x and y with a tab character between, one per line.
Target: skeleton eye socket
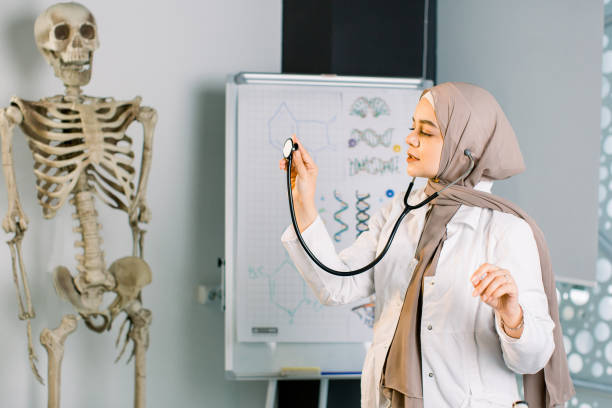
61	31
87	31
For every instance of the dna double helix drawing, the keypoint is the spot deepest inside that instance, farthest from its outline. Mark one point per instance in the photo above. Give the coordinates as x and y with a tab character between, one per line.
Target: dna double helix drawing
362	216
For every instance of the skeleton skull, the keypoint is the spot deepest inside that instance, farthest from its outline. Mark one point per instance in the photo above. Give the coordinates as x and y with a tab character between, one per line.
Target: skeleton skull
67	36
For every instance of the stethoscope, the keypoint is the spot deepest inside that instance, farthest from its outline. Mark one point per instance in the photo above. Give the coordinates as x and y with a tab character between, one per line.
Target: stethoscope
289	147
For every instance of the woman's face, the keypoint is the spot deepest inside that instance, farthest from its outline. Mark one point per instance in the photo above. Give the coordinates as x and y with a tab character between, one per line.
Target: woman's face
424	142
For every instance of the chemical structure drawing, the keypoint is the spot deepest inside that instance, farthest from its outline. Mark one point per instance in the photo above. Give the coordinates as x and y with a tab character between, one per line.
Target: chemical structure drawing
370	137
365	313
377	106
343	226
362	215
286	288
373	166
315	133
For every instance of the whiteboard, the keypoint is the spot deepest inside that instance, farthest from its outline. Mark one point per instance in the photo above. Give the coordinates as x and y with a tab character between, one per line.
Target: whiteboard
355	129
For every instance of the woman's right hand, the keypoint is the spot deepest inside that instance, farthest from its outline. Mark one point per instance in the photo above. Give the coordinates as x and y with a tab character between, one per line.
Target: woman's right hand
304	173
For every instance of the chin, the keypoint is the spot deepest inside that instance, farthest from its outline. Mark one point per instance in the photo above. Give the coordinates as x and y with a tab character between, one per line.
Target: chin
412	172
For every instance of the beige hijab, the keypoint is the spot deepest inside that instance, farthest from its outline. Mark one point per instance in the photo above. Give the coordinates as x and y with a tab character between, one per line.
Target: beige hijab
469	118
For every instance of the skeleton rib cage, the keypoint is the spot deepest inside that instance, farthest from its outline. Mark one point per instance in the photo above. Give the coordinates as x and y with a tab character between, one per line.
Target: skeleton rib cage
70	140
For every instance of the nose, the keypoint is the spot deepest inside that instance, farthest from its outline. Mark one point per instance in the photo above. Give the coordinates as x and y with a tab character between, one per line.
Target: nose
76	42
413	139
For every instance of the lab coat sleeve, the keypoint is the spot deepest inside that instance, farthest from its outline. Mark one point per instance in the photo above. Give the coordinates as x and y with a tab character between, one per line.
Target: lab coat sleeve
517	252
331	289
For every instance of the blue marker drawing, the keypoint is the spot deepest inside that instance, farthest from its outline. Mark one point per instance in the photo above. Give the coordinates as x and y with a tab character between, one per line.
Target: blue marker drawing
314	133
390	193
365	313
376	105
373	166
344	226
285	275
371	138
362	216
360	107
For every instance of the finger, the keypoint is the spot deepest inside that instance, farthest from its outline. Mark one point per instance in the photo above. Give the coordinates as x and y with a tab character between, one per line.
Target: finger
485	279
306	156
480	288
481	272
293	174
299	163
282	164
505	289
492	287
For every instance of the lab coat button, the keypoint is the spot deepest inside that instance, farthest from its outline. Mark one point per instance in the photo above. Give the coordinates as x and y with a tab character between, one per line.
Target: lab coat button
429	327
430	375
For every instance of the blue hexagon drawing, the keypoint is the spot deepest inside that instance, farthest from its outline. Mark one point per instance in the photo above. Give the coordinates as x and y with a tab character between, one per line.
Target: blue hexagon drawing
314	133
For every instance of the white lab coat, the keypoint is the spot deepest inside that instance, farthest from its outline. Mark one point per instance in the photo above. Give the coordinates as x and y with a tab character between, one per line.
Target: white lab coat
467	359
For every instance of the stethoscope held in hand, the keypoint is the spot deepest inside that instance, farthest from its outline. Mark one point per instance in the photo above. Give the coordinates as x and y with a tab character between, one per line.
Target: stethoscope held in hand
289	147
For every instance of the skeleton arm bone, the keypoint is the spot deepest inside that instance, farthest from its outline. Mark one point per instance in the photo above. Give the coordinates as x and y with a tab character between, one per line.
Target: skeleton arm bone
139	212
15	219
16	222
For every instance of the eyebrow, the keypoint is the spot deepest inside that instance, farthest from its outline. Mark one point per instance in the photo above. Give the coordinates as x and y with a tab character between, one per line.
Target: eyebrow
427	122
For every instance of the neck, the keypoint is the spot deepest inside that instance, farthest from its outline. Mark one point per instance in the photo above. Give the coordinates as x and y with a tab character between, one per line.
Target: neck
73	92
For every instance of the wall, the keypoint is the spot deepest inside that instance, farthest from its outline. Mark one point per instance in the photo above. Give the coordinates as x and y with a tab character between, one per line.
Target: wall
542	61
176	55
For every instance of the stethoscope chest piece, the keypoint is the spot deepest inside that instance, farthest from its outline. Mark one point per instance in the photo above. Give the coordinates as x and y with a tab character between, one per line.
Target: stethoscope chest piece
288	148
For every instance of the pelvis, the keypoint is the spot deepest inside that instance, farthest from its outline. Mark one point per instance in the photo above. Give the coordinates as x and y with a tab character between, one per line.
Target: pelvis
131	274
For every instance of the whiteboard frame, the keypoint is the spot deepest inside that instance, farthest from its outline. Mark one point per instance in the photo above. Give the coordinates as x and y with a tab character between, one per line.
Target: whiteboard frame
231	153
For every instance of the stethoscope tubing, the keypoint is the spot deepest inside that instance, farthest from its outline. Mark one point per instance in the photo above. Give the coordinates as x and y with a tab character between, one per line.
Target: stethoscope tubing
407	208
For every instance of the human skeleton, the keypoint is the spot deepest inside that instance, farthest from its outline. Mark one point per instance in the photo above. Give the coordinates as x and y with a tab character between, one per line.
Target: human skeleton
80	150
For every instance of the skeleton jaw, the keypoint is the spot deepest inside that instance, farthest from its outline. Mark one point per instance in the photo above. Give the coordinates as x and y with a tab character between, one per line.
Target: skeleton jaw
73	68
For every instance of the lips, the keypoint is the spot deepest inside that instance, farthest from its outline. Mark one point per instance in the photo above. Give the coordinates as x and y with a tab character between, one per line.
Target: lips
412	156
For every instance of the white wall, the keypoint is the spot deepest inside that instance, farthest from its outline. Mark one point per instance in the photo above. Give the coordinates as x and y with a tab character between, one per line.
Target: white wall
542	61
176	56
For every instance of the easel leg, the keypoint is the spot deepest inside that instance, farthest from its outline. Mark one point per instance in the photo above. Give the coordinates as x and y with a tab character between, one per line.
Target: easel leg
271	394
323	388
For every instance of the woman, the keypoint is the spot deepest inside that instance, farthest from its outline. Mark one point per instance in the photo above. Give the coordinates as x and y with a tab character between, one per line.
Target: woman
465	296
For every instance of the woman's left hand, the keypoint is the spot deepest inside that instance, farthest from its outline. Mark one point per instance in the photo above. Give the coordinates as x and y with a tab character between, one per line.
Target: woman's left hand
497	288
